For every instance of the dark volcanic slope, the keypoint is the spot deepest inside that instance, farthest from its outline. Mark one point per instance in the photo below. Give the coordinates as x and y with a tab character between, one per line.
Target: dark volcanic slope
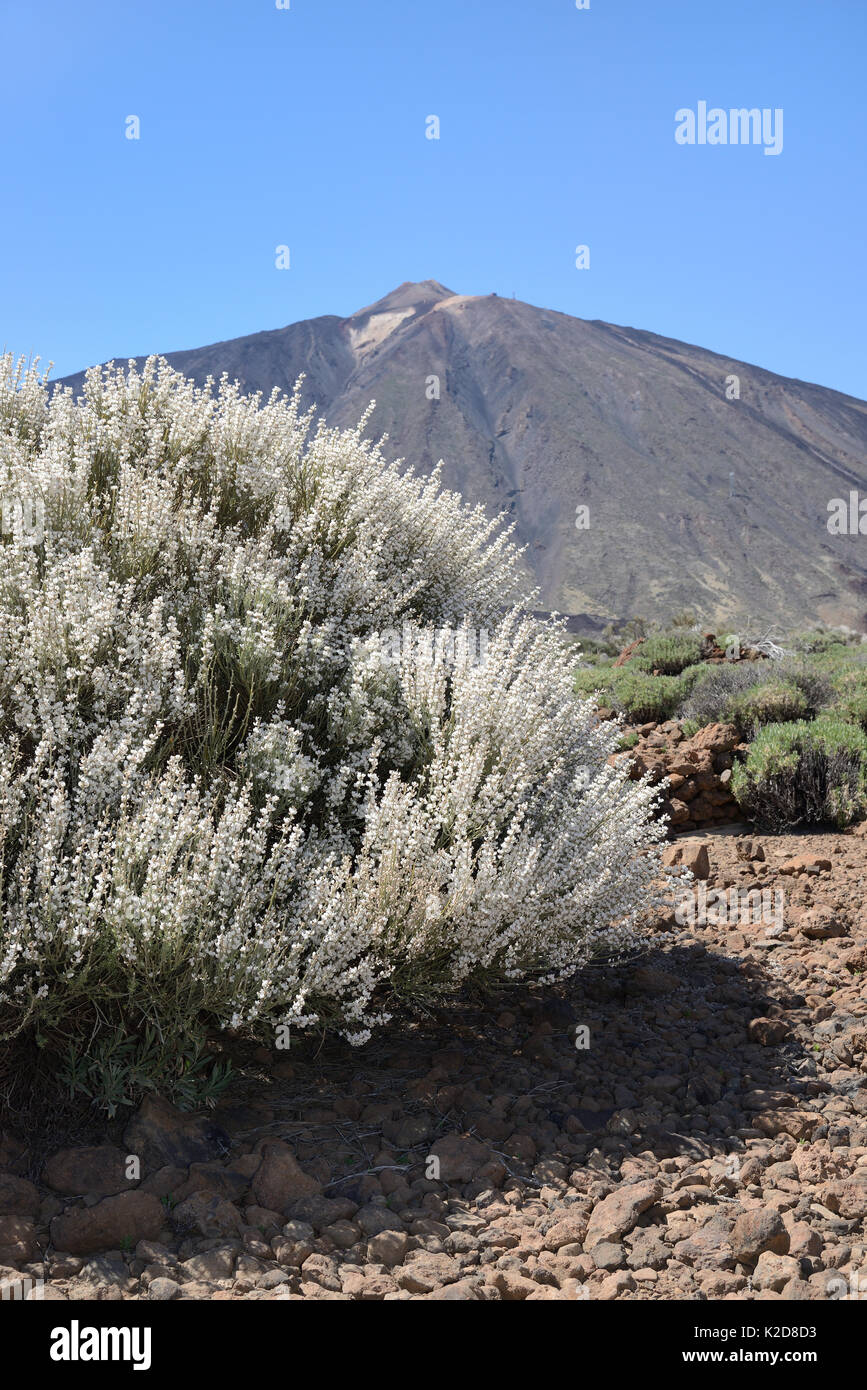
540	412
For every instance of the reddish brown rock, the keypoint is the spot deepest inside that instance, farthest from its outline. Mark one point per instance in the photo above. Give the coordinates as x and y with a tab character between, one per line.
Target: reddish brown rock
88	1172
161	1135
280	1180
513	1286
615	1215
805	864
628	651
690	855
714	738
424	1270
767	1031
207	1215
847	1197
756	1231
468	1290
109	1225
460	1157
820	924
18	1197
774	1271
572	1230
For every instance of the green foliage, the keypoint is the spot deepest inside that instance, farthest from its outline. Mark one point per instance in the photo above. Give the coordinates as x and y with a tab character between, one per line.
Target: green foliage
751	693
645	699
669	653
817	641
850	686
624	633
597	648
806	712
690	677
853	708
117	1068
590	680
641	697
809	772
776	702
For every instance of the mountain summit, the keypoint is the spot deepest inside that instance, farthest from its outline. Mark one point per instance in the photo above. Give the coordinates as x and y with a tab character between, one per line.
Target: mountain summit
412	296
706	481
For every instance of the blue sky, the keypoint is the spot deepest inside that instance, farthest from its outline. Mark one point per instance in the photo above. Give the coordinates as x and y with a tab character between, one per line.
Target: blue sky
306	127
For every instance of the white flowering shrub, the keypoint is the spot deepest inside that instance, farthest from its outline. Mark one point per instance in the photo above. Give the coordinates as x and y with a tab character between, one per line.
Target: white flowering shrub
220	807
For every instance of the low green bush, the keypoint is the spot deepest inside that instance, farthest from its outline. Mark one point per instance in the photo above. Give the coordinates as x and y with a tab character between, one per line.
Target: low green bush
598	649
710	697
777	702
691	677
640	697
645	699
853	709
635	693
589	679
669	653
850	702
817	640
815	685
804	771
836	660
751	693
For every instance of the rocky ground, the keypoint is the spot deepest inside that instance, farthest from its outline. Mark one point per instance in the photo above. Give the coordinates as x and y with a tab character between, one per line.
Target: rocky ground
691	1124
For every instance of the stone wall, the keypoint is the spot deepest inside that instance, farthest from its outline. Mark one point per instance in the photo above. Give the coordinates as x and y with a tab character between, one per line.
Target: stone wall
699	770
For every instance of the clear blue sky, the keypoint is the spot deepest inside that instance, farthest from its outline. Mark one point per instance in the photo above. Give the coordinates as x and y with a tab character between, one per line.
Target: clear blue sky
306	127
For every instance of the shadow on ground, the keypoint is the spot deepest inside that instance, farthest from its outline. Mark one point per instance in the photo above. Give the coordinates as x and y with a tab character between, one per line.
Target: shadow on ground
652	1055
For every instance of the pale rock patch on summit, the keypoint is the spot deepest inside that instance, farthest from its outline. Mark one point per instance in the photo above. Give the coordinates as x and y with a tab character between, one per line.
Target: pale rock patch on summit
377	328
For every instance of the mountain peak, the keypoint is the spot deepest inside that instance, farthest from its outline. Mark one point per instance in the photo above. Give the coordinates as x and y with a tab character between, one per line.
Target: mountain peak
371	326
413	295
559	420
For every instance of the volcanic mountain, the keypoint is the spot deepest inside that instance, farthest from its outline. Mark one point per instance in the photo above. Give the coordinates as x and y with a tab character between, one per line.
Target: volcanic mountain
707	481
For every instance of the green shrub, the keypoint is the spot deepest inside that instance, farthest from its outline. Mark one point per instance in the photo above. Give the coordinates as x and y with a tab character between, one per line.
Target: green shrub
684	619
853	709
589	679
645	699
691	676
815	685
598	649
750	693
669	653
804	772
818	640
710	698
850	688
634	693
835	661
777	702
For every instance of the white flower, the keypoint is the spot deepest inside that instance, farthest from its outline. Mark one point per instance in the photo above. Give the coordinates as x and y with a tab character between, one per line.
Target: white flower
218	803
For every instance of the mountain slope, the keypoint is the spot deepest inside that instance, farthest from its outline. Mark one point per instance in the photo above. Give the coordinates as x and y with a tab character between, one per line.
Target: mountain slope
695	500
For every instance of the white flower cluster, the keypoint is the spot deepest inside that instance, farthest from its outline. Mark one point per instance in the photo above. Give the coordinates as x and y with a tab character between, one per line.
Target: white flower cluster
216	801
429	644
